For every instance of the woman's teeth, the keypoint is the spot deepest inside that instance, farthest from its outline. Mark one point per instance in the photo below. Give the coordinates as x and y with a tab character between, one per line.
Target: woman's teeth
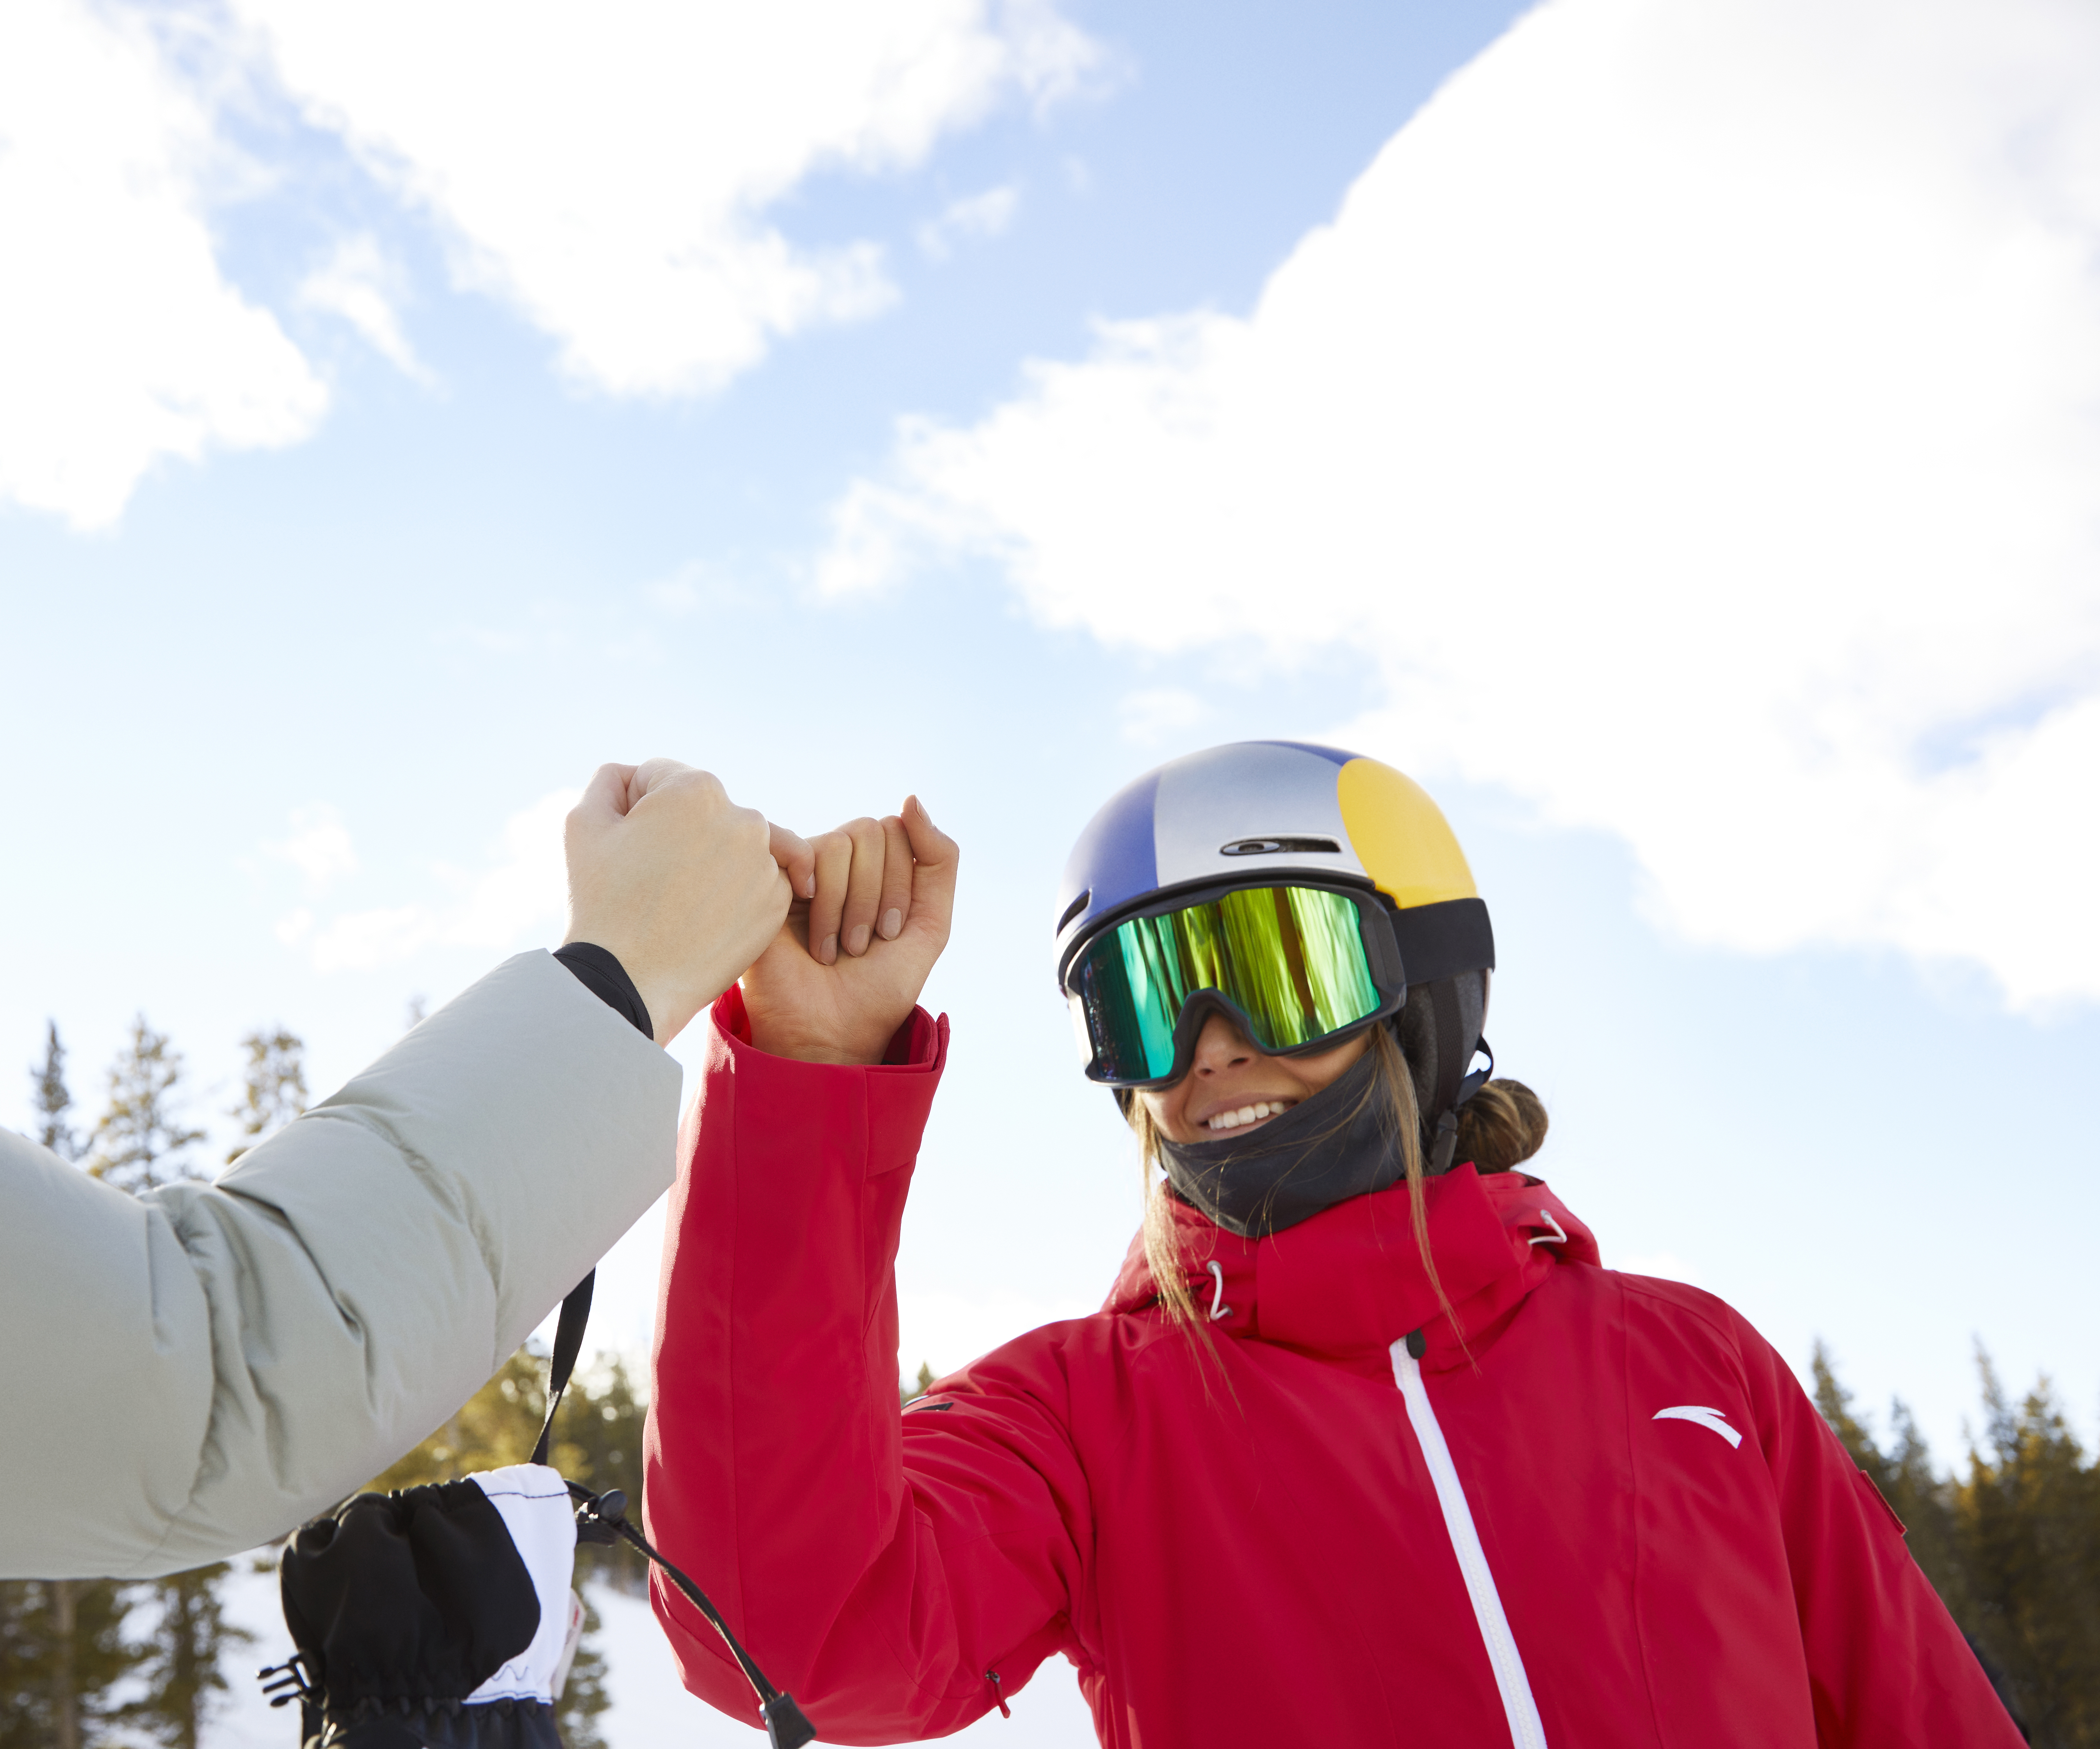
1253	1114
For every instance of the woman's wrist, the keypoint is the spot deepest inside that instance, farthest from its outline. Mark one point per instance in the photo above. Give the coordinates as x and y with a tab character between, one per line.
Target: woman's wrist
863	1048
797	1050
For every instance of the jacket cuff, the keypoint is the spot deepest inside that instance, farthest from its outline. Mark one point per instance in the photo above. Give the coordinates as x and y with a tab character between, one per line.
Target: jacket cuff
898	1091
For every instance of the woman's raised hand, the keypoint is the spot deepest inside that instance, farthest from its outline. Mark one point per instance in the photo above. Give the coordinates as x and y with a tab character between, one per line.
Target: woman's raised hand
849	962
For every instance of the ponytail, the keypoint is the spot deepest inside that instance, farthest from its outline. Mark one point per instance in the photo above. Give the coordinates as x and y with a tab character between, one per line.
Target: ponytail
1503	1125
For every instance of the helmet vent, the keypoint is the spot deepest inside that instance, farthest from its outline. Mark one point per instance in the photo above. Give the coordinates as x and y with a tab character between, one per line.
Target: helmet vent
1276	847
1074	909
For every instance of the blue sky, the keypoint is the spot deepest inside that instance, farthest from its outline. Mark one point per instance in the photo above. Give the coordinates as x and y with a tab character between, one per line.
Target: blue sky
1671	444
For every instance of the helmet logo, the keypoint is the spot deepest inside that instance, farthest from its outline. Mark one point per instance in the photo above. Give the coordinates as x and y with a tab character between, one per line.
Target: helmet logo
1272	846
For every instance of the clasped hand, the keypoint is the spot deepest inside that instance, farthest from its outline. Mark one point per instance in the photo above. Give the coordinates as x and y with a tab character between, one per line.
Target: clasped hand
684	887
875	901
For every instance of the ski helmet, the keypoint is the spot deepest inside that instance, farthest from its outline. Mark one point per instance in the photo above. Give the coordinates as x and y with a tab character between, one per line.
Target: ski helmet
1300	890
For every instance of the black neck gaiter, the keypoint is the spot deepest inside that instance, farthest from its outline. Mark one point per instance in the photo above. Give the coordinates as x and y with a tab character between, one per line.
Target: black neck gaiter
1295	1165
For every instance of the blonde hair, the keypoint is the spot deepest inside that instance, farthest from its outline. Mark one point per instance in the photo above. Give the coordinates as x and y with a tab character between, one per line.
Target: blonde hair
1503	1123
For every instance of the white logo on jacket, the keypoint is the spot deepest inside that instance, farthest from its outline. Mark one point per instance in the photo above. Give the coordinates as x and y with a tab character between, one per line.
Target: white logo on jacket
1708	1418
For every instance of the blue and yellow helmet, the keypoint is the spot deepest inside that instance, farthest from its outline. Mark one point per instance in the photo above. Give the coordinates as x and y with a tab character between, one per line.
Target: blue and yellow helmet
1299	889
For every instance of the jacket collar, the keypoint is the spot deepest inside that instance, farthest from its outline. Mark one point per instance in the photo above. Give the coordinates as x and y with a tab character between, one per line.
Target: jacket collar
1350	1281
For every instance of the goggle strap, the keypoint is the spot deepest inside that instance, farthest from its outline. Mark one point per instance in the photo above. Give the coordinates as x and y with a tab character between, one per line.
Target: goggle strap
1452	1056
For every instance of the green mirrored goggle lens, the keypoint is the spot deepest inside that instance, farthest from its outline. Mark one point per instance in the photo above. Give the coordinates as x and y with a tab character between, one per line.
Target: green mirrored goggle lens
1289	958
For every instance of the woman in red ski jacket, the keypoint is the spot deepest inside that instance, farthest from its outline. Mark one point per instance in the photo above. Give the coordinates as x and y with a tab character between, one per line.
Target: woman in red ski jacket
1364	1446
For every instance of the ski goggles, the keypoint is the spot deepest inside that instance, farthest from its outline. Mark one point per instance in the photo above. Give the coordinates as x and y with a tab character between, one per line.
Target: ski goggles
1294	966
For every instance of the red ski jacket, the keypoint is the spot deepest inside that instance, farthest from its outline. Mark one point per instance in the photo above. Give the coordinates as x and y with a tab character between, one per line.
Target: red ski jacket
1604	1515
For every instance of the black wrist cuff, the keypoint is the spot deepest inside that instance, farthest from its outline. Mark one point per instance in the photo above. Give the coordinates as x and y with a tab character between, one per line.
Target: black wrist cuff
601	974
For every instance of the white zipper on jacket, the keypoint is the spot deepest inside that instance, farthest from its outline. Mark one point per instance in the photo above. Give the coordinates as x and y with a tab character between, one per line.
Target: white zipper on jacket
1526	1731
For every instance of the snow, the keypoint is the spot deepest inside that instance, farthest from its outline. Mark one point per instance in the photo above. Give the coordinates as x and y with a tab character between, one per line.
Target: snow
242	1719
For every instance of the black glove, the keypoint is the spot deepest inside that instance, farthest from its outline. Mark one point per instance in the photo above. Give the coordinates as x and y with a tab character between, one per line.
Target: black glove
439	1617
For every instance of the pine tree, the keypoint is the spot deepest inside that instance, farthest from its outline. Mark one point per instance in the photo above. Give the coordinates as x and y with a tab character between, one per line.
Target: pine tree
598	1430
273	1086
64	1681
494	1427
181	1657
53	1099
2031	1512
61	1651
1923	1501
1928	1505
584	1696
597	1441
140	1142
2013	1550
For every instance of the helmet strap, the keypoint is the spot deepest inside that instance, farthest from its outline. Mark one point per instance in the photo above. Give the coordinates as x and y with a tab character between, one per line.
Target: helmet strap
1454	1086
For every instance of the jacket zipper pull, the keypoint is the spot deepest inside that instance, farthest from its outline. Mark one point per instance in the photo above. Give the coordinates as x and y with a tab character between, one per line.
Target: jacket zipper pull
1005	1712
1417	1342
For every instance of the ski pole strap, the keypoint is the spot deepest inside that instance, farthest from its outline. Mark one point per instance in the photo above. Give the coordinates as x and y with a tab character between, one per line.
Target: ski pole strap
600	1518
599	971
569	1344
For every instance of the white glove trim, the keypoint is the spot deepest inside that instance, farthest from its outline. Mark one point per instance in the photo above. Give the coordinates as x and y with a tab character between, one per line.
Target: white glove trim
537	1510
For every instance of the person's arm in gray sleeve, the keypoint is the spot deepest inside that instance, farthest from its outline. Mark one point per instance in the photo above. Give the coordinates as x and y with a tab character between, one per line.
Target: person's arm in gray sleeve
200	1369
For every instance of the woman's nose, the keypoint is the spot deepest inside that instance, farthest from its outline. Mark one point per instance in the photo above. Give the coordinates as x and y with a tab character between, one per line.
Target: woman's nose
1220	1045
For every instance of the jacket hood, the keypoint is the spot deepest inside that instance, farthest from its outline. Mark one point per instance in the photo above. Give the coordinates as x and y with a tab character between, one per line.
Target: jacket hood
1350	1280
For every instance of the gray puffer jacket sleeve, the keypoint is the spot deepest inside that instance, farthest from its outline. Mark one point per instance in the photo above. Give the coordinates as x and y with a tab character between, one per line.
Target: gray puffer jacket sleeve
198	1370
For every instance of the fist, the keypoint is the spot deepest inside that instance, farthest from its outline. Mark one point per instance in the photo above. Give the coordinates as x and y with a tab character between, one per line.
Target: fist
684	887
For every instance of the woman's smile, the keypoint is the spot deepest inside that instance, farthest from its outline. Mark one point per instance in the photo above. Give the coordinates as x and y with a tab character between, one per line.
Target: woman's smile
1231	1086
1246	1117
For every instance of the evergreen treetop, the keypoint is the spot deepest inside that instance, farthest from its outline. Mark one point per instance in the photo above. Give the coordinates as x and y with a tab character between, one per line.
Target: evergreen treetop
53	1099
141	1142
273	1086
2013	1550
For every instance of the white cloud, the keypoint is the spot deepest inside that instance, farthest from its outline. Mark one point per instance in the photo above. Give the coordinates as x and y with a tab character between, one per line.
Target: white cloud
612	181
360	284
1692	413
362	939
528	885
524	889
120	342
319	846
972	218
